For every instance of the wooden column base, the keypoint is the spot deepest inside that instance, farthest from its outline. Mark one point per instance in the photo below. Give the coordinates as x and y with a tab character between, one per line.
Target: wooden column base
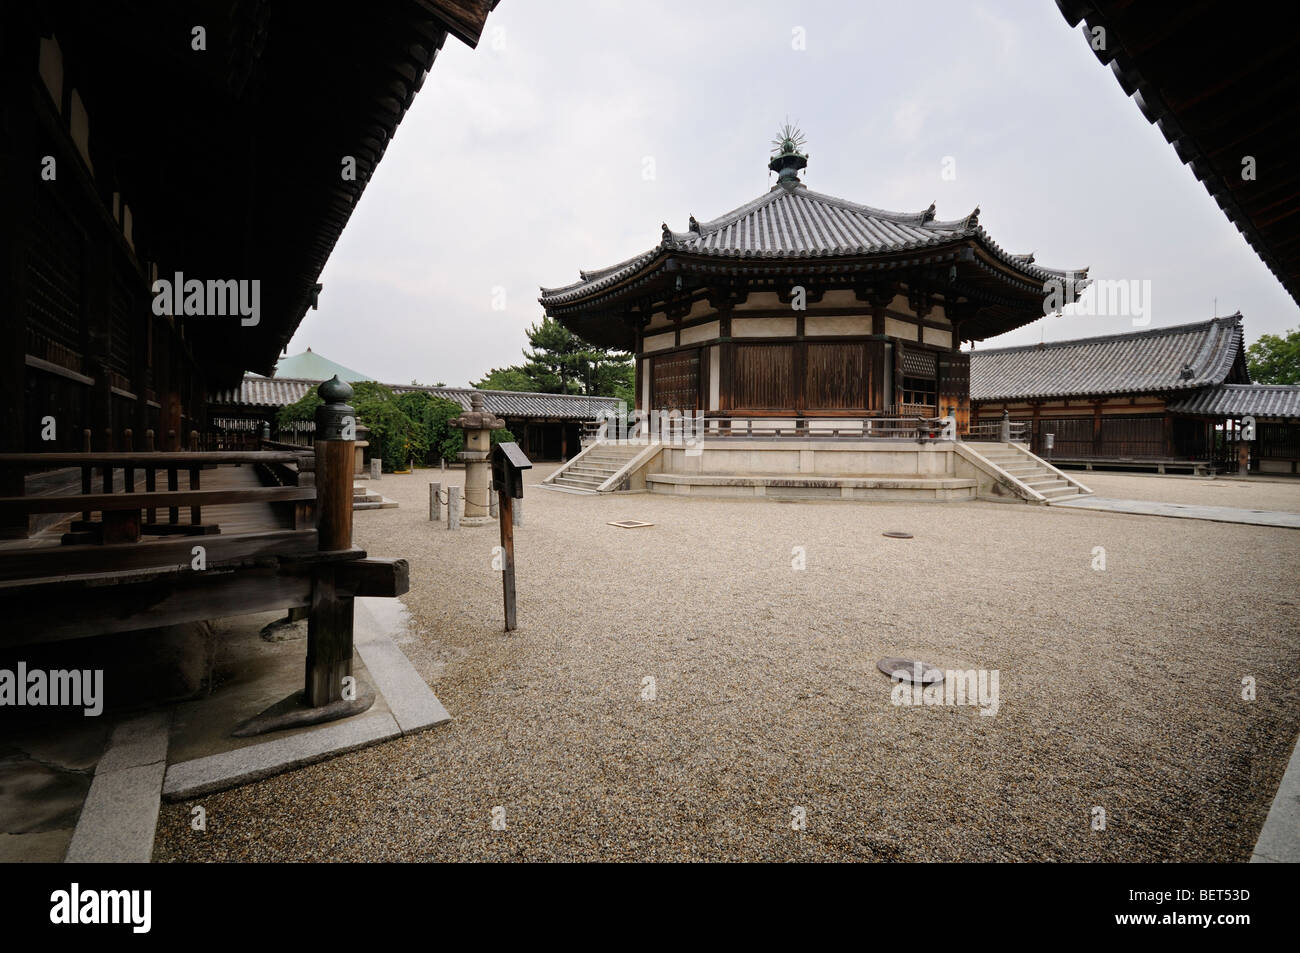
329	640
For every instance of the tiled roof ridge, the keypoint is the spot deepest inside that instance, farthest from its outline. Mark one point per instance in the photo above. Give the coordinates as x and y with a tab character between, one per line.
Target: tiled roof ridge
695	240
484	390
1166	330
1255	387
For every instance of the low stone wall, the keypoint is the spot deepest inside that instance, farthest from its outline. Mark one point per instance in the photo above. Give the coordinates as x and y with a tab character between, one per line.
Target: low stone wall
811	487
741	457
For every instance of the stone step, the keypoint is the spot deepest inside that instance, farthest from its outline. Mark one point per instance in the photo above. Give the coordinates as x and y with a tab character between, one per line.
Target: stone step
1045	483
1061	493
380	504
578	479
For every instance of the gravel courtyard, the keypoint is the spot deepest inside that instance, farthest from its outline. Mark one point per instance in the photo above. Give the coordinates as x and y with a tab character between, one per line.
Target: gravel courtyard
1119	689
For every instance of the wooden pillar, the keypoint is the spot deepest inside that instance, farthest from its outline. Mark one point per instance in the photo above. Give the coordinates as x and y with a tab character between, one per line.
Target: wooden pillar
1096	429
726	361
505	506
20	172
329	626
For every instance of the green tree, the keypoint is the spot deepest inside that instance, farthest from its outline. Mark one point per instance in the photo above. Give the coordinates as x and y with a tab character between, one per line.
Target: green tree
394	435
1275	360
560	362
507	378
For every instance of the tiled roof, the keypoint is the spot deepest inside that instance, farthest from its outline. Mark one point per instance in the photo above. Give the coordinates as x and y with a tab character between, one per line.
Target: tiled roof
1178	358
257	391
798	223
513	403
1229	400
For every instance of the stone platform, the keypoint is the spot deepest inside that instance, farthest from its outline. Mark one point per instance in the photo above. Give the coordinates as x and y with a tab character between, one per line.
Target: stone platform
885	488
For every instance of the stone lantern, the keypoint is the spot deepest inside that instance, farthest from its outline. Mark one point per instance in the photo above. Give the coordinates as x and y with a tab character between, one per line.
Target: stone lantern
478	425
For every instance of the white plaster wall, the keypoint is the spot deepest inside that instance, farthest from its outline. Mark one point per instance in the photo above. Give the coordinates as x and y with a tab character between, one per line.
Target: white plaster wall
761	299
938	336
763	327
715	374
900	329
701	332
815	325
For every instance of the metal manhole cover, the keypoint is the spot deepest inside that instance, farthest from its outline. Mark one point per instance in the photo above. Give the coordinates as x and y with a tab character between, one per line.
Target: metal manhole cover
896	534
629	524
906	669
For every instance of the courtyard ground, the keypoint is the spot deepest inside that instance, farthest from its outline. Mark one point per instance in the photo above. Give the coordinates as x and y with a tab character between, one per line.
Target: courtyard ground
1255	493
1119	689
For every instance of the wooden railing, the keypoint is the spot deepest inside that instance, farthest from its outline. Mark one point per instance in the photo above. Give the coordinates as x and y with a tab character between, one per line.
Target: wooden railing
1018	431
673	429
128	513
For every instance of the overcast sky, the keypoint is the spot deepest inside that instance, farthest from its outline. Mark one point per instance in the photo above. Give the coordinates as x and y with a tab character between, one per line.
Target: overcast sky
522	162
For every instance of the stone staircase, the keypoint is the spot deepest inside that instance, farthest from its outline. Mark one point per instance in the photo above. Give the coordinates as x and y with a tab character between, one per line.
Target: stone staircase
589	469
1032	471
364	498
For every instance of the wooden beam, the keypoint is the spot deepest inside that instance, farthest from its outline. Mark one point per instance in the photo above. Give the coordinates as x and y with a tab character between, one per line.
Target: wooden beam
385	578
135	501
37	563
66	609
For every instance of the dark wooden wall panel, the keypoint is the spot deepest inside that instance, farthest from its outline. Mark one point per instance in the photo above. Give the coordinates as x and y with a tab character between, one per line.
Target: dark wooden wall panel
836	377
763	377
675	381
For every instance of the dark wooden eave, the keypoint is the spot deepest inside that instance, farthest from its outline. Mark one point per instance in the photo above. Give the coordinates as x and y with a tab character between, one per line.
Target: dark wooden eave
1219	80
231	158
992	299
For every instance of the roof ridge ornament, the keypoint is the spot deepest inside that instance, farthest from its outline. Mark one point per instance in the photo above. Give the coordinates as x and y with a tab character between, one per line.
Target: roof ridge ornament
928	214
668	233
973	219
788	156
695	226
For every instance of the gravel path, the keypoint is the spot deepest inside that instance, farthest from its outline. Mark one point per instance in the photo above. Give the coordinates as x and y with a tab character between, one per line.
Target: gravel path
1222	491
1119	689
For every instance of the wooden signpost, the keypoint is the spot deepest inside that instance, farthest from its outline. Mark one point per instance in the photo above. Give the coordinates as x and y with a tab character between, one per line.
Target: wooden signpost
508	466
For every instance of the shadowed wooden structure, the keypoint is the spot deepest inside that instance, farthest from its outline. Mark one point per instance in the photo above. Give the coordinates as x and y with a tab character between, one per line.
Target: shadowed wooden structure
176	178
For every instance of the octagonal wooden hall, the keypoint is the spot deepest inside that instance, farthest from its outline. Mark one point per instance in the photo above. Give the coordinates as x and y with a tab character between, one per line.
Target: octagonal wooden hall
799	305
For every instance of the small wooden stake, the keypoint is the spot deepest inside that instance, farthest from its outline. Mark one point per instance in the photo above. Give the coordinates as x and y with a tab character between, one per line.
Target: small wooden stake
505	505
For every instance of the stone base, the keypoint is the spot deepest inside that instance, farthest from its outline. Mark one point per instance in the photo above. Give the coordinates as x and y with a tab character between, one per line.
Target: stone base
793	487
292	712
477	520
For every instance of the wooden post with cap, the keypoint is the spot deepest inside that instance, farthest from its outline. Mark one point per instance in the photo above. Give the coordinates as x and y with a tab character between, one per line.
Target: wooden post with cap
329	624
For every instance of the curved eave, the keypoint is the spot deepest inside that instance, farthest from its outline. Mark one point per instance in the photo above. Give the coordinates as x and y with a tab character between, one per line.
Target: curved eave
1217	81
1021	275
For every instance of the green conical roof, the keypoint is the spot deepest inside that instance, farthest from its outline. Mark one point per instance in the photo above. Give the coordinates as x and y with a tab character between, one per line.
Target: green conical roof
310	366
